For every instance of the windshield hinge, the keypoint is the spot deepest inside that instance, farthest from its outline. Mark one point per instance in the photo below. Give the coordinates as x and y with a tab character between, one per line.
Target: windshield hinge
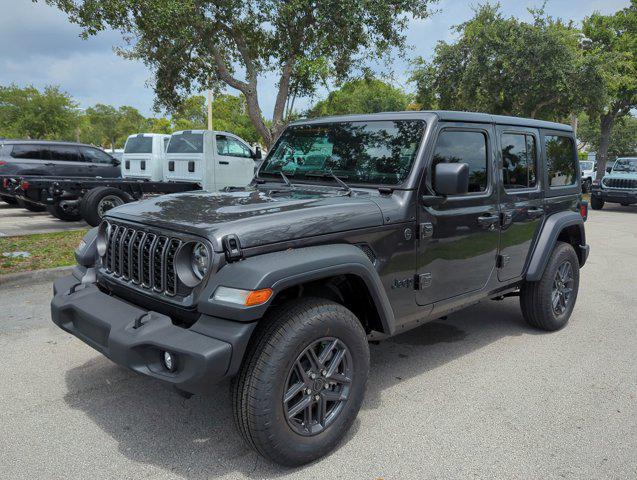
232	247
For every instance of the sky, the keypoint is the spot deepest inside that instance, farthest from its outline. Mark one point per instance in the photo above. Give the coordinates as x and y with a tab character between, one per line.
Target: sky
39	47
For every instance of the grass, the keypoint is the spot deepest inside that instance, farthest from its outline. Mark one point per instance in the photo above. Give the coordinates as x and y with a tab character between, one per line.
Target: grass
46	250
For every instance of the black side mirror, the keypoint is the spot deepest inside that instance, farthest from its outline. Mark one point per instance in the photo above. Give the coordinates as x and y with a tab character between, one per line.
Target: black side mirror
257	153
609	169
116	162
451	178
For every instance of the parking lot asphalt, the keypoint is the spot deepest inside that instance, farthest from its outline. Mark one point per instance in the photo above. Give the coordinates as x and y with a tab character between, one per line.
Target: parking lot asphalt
479	395
18	221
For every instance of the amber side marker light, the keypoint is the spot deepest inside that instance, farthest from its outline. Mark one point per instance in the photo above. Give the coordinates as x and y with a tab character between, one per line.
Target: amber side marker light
247	298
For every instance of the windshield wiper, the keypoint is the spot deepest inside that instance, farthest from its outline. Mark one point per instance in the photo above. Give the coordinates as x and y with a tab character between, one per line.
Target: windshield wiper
286	180
330	174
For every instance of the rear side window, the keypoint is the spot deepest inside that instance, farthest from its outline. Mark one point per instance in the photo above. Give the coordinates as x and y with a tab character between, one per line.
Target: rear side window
561	160
139	145
519	160
64	153
94	155
469	147
186	143
33	152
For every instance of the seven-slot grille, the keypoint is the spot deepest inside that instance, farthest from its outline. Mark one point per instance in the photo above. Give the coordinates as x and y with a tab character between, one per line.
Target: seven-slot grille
144	258
620	183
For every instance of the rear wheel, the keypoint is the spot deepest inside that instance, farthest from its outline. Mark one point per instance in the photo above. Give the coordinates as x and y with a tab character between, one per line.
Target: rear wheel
302	381
548	303
64	214
32	207
597	203
100	200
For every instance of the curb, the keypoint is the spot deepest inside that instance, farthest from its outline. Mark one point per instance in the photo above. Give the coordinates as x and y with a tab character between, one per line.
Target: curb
33	276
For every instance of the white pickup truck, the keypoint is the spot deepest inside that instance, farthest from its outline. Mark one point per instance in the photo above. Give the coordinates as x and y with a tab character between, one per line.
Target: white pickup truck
144	156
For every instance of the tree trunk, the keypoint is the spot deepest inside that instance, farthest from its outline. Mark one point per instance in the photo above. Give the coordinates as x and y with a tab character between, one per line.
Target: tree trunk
574	123
606	128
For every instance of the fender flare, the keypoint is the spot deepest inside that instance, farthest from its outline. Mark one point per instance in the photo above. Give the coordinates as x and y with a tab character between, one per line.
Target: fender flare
280	270
551	229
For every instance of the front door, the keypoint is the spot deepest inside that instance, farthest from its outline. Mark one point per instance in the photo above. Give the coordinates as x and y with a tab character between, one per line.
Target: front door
100	164
522	198
459	239
234	163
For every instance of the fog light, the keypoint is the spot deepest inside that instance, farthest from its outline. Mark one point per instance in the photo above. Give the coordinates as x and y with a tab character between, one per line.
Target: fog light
170	362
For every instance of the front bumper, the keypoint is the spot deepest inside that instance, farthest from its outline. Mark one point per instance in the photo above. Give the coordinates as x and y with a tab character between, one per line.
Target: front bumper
615	196
207	352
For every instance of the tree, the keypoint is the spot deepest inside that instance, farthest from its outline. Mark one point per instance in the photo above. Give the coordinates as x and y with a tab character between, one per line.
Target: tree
29	113
506	66
623	138
197	44
159	125
611	44
367	95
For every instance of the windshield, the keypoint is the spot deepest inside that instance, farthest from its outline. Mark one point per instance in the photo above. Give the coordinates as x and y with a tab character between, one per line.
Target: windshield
374	152
186	143
586	165
139	145
625	165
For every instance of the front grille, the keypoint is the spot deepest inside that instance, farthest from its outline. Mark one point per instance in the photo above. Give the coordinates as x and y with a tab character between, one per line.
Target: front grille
144	258
620	183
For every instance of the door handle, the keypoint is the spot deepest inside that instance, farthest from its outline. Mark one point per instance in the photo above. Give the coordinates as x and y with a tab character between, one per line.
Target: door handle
488	221
535	212
223	162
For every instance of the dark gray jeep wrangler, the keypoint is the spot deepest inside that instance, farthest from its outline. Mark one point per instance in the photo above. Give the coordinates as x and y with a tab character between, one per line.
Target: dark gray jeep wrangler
355	228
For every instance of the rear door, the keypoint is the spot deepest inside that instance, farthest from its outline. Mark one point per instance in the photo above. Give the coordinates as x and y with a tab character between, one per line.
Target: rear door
234	163
32	159
459	239
67	161
522	198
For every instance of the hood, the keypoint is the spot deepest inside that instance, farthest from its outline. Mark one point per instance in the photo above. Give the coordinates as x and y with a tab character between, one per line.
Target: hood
257	217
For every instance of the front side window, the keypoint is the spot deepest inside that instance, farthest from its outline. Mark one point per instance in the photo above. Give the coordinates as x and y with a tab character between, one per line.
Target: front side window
186	143
139	145
374	152
228	146
561	160
33	152
63	153
470	147
518	161
94	155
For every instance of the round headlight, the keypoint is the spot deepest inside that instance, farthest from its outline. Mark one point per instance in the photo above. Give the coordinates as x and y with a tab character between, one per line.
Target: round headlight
103	235
200	260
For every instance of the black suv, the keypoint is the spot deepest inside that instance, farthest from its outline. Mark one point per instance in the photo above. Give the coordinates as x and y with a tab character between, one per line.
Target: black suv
355	229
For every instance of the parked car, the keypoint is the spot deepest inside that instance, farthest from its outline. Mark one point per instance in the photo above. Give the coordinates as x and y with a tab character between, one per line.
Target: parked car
588	172
144	156
47	158
356	229
619	185
214	159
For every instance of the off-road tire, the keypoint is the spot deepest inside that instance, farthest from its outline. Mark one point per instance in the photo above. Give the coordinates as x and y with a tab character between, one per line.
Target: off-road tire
597	203
66	216
257	392
31	207
91	201
536	297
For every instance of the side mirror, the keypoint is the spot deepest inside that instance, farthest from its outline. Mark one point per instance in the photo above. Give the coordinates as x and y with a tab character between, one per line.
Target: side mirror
257	153
451	178
116	162
609	169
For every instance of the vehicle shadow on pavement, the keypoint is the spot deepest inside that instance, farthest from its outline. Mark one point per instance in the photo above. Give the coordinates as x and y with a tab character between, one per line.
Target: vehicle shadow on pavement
196	438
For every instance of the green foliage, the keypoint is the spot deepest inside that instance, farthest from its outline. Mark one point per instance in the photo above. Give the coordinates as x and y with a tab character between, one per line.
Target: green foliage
623	138
506	66
368	95
29	113
193	44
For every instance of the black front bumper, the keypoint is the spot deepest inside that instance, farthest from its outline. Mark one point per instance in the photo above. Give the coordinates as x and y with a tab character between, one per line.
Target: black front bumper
615	196
207	352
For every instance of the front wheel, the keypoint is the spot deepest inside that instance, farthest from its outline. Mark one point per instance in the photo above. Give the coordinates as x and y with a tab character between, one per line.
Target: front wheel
548	303
100	200
302	382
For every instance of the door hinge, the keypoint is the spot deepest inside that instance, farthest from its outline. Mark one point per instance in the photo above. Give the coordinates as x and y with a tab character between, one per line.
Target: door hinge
426	230
503	260
422	281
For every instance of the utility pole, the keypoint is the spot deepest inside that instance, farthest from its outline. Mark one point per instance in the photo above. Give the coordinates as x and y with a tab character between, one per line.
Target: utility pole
209	109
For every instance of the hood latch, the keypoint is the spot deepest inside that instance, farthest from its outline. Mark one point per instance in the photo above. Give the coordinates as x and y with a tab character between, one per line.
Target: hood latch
232	247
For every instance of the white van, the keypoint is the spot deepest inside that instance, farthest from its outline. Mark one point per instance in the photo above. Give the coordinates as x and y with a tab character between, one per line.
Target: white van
213	159
144	156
